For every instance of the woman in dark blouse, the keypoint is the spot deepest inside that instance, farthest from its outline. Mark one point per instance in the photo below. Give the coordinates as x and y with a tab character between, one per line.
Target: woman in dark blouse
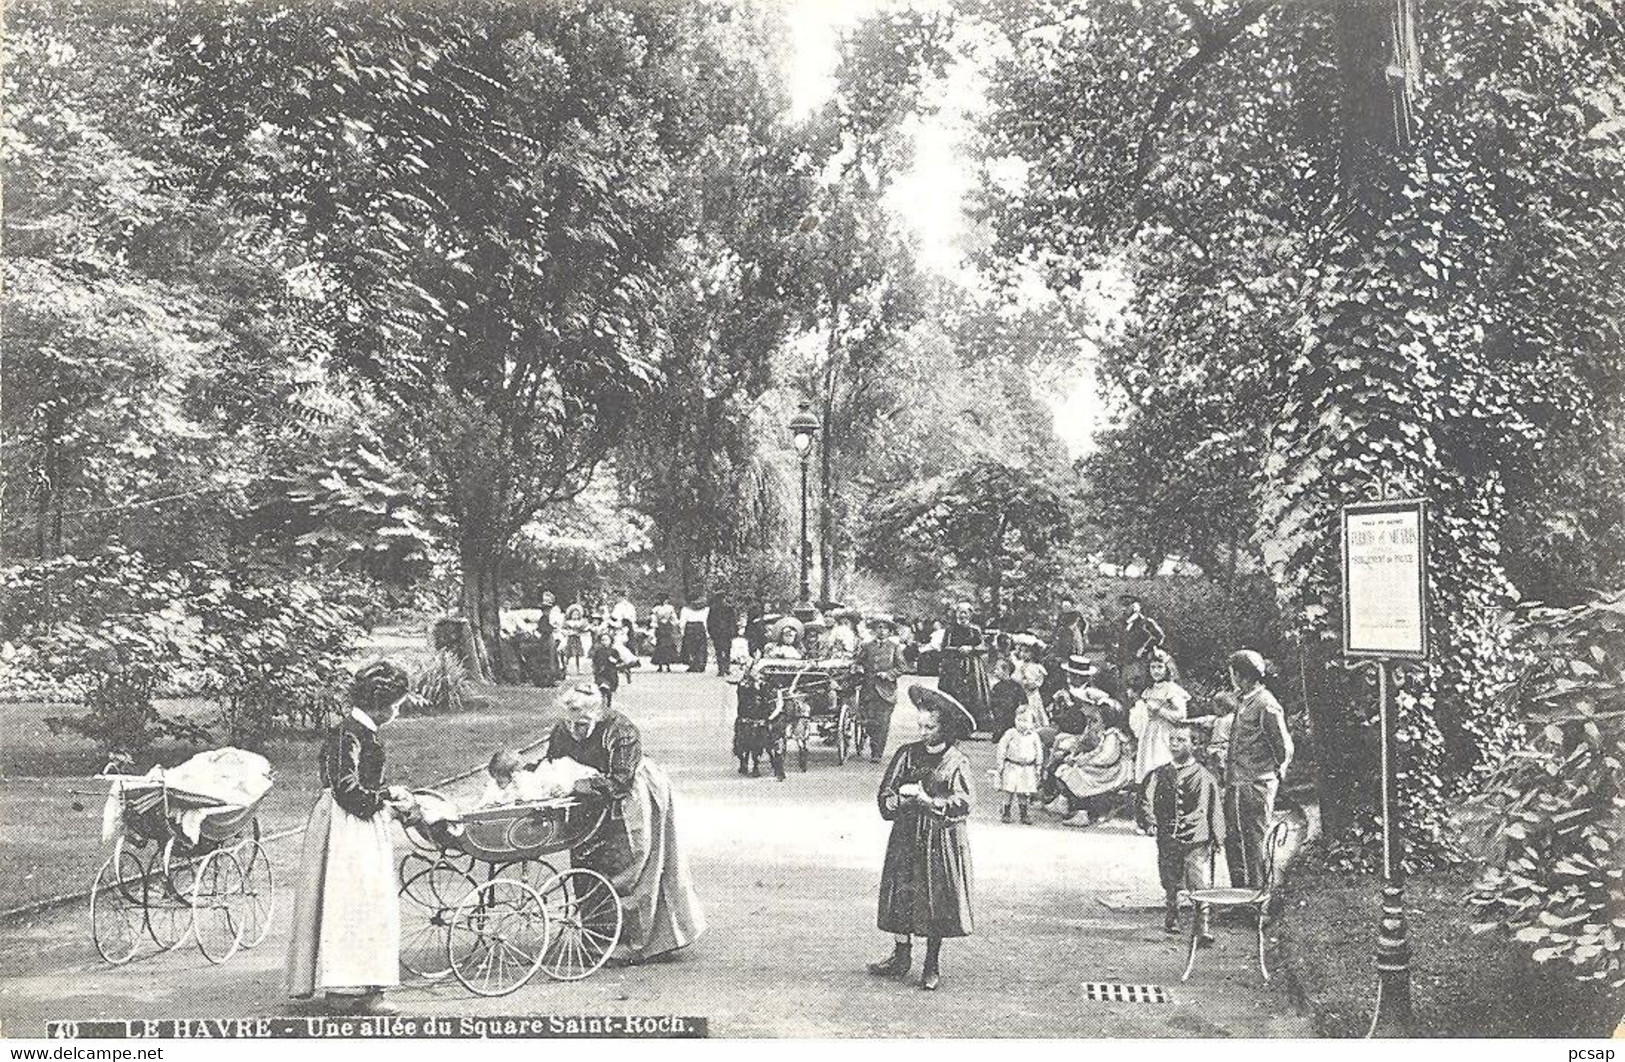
346	919
636	847
963	667
926	795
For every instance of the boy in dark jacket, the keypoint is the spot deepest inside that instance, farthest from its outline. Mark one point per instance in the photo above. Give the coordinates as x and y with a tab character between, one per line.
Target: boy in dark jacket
606	666
1183	805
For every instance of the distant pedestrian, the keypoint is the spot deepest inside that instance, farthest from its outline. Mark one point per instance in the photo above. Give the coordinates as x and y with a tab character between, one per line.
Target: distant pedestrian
606	666
625	616
692	618
880	663
1256	762
664	618
1141	635
963	670
926	794
1182	805
722	624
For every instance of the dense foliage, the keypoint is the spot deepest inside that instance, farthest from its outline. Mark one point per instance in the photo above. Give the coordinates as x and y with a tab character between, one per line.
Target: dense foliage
1322	301
1552	818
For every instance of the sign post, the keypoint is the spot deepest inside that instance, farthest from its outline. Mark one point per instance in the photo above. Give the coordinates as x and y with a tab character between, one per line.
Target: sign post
1385	582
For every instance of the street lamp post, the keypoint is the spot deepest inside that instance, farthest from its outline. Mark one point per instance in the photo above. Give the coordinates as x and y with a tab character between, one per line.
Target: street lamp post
803	428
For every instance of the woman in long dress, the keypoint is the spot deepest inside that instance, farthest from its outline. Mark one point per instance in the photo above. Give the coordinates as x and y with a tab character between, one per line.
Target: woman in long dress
664	619
346	915
694	637
926	795
636	847
963	671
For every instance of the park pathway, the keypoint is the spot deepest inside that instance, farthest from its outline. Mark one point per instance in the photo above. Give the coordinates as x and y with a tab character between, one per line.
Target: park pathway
788	872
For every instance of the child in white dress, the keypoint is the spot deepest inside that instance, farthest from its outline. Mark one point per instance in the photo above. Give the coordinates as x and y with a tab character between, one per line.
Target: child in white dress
1020	755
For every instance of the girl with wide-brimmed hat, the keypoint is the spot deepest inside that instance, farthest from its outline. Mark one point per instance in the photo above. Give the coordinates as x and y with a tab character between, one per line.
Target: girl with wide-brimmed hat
926	795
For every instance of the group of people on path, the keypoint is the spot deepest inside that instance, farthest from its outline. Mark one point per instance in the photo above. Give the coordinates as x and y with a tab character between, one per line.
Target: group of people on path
345	949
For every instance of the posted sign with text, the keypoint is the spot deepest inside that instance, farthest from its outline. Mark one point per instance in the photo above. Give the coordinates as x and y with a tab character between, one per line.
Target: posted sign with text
1385	580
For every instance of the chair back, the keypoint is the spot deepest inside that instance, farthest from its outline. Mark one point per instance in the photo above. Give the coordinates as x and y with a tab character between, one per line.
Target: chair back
1274	847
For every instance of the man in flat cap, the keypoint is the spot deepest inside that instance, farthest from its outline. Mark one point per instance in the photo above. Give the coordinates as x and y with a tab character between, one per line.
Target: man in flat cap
1256	761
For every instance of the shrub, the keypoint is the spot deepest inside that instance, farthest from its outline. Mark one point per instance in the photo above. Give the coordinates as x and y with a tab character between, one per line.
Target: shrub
1550	822
108	633
275	650
438	679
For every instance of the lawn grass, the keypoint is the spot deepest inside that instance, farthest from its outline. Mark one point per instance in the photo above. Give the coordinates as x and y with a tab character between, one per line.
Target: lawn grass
52	807
1461	984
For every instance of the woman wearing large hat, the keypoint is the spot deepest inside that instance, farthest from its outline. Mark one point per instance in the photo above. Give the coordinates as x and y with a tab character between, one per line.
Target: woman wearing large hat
926	795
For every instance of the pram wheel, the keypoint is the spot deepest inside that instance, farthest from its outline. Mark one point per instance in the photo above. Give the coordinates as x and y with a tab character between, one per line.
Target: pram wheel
585	917
169	897
117	905
259	891
220	914
428	899
497	937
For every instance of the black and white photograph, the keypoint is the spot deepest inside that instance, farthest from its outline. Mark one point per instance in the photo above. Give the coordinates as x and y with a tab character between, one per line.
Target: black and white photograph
864	520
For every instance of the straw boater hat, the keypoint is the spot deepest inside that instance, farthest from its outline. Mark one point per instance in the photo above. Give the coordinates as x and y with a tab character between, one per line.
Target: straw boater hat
1081	666
929	699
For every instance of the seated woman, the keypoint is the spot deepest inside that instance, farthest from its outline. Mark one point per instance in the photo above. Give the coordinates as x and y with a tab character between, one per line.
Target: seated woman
636	848
1098	766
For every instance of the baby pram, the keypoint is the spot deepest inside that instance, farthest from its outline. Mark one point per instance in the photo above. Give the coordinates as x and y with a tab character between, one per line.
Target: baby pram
187	859
480	901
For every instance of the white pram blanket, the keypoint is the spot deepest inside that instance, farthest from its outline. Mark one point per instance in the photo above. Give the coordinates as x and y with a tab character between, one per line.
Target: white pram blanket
228	779
548	780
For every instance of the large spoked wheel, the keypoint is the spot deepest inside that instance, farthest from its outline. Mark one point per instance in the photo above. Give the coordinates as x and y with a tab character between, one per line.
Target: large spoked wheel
585	915
118	905
169	897
497	937
259	892
843	733
537	873
219	906
428	900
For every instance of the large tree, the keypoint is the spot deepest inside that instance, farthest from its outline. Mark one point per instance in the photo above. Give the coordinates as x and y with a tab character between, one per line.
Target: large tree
489	196
1336	280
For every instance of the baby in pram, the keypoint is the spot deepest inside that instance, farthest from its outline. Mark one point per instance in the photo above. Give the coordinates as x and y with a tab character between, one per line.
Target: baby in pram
511	781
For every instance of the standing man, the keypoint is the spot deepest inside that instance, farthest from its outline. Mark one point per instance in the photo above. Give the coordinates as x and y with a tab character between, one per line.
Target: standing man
880	662
756	627
722	624
1067	640
1256	762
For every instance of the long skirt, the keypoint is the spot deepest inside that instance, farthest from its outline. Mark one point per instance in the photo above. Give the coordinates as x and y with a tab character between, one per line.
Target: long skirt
694	637
925	886
639	854
964	678
346	915
665	652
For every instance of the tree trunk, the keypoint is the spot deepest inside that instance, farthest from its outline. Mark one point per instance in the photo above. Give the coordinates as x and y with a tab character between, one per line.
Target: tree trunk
477	562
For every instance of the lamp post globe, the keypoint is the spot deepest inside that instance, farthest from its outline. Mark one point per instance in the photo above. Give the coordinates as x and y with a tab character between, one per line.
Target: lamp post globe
803	429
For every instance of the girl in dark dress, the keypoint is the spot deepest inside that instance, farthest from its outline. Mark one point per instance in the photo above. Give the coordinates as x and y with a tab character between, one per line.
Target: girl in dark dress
963	671
926	796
